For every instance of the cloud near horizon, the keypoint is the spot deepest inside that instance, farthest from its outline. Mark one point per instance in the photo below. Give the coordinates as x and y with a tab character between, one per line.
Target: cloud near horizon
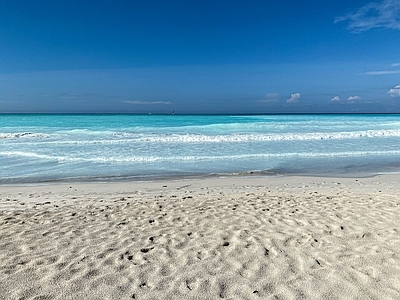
270	97
335	99
352	98
136	102
294	98
384	14
382	72
395	92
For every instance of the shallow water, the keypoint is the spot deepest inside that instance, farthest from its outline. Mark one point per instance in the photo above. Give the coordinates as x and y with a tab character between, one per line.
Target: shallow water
83	147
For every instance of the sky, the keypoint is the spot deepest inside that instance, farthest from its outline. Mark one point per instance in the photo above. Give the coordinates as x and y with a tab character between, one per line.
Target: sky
220	56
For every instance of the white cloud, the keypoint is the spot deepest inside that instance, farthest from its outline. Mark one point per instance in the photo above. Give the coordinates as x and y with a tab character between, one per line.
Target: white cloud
270	97
336	98
383	72
384	14
136	102
352	98
395	92
294	98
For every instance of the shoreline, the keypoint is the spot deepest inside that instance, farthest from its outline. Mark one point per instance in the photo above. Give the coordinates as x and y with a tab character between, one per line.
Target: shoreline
250	174
247	237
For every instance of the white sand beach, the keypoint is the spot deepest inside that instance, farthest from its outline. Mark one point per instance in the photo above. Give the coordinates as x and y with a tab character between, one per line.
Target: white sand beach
231	238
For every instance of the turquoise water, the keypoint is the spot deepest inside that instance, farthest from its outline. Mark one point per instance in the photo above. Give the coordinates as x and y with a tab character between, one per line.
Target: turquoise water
50	147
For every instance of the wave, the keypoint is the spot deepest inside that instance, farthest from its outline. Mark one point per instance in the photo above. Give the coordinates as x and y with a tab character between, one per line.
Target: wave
130	137
253	137
18	135
197	158
234	138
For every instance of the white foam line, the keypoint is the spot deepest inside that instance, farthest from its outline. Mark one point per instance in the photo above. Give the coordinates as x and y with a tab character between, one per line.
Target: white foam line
151	159
233	138
31	155
18	135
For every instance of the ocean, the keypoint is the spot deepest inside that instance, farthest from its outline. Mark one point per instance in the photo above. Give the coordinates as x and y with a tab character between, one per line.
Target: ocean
36	148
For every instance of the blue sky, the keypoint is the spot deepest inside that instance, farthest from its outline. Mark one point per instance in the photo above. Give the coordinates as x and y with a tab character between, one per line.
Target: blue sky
220	56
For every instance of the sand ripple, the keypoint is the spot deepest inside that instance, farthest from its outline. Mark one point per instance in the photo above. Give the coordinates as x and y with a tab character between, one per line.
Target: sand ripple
314	241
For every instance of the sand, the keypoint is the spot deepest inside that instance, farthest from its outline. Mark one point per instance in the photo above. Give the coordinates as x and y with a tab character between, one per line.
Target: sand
231	238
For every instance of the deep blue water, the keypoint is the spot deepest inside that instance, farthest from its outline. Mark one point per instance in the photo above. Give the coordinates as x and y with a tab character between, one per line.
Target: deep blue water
51	147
